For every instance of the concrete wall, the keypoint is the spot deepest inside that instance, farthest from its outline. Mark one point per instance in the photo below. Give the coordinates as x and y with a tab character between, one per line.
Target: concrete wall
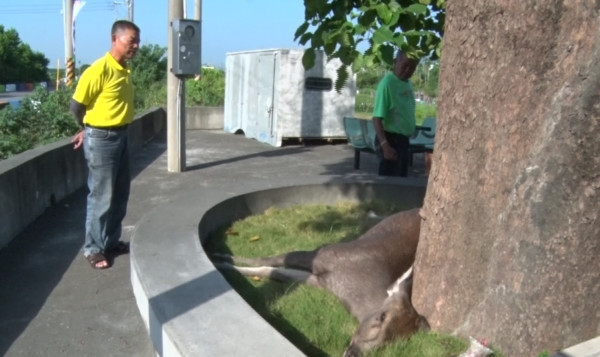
36	179
207	118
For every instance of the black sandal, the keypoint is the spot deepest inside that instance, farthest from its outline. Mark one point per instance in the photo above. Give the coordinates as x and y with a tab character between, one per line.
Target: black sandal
120	249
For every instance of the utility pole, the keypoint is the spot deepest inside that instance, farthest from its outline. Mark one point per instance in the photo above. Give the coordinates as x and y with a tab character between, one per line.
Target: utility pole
130	9
70	62
176	159
175	101
198	10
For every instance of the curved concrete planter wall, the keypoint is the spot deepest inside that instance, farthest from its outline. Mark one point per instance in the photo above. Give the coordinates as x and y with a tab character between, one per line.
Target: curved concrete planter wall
187	305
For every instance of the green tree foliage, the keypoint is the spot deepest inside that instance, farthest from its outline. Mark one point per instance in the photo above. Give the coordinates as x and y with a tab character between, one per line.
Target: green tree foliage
149	75
341	27
33	65
18	63
433	78
368	78
40	119
83	67
426	77
208	90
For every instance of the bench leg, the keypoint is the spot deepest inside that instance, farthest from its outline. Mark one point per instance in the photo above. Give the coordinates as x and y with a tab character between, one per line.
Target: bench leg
356	159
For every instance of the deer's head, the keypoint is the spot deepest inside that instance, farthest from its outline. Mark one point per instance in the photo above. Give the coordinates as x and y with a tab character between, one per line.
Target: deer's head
396	318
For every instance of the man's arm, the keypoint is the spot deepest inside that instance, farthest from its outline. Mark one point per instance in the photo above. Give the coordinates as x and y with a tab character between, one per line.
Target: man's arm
378	125
389	153
78	111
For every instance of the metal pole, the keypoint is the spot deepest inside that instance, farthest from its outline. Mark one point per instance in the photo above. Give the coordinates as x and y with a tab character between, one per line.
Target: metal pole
175	104
130	8
70	62
198	16
57	73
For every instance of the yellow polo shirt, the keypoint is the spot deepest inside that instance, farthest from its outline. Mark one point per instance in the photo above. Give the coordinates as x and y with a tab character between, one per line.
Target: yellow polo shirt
106	91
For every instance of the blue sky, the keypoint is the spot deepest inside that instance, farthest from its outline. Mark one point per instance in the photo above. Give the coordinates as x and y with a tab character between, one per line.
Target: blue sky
227	25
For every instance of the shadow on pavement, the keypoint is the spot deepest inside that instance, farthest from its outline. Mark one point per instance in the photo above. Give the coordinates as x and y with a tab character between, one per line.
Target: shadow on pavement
264	154
37	260
34	263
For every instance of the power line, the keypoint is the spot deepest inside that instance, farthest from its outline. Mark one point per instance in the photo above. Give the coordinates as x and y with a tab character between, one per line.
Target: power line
46	3
48	11
30	8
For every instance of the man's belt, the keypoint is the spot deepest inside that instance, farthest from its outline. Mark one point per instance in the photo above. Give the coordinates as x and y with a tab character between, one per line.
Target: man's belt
113	128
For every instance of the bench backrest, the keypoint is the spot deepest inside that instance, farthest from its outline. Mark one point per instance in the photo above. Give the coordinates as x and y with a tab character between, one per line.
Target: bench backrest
430	123
360	132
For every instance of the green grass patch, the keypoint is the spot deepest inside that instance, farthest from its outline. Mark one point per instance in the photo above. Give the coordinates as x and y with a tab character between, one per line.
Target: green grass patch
313	319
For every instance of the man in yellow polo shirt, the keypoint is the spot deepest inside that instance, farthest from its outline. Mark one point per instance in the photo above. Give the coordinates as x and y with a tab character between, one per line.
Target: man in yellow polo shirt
103	105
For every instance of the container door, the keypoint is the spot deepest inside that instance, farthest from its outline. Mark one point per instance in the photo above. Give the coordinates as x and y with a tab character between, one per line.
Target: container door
236	91
266	132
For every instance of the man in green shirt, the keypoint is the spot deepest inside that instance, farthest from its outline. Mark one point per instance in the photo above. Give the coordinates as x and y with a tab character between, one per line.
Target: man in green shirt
394	117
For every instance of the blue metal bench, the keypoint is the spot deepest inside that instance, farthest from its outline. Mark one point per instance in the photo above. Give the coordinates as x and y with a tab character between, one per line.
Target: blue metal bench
361	135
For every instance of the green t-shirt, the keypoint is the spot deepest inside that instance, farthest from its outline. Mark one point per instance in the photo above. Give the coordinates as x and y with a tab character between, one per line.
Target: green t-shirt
395	103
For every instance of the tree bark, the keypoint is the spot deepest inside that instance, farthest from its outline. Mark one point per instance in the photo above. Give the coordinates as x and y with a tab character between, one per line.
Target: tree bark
510	244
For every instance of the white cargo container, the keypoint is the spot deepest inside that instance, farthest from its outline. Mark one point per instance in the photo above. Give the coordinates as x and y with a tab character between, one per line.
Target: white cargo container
270	97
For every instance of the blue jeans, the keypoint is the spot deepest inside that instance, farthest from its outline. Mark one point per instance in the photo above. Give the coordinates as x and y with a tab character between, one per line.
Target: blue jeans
109	180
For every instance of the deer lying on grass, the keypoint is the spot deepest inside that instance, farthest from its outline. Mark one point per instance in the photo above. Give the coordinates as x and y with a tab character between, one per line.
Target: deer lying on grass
371	275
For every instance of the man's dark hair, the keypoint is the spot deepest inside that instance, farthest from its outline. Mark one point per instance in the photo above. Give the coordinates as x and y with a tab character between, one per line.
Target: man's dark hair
400	54
121	25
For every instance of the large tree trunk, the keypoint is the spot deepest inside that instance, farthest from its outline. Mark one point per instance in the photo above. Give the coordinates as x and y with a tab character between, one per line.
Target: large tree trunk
510	245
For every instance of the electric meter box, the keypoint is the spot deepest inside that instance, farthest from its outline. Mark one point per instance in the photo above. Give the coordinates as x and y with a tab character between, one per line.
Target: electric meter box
186	44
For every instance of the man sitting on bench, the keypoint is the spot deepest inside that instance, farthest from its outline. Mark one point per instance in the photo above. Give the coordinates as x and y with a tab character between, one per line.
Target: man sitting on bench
394	117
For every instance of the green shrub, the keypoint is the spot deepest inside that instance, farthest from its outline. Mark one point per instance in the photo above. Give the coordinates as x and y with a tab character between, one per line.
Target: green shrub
152	95
41	118
149	77
424	110
208	90
364	102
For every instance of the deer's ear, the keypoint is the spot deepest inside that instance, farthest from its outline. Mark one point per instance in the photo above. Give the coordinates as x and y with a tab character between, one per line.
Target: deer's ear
403	284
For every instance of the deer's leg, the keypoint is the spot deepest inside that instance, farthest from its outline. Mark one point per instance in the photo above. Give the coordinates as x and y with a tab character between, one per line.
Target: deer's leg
275	273
298	259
